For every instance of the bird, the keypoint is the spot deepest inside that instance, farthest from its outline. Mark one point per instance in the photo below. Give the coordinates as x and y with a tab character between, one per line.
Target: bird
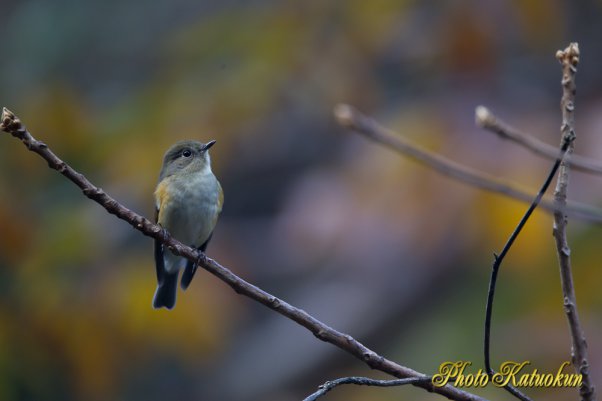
188	201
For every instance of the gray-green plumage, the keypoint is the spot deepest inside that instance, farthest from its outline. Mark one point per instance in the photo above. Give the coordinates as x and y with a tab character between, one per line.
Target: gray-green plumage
188	201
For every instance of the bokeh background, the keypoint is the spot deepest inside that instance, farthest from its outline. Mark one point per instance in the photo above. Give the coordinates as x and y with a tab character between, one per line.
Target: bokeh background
371	243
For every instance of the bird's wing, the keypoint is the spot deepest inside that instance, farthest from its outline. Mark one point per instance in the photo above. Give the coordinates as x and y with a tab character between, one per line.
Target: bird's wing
220	199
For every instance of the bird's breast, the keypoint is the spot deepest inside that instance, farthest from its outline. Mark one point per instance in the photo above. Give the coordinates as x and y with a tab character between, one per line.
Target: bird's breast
188	206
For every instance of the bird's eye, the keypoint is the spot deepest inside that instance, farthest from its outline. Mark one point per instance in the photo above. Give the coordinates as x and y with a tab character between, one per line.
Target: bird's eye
186	153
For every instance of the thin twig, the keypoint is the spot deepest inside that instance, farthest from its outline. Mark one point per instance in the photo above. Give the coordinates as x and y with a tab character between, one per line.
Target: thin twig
352	119
569	58
486	119
362	381
497	262
12	125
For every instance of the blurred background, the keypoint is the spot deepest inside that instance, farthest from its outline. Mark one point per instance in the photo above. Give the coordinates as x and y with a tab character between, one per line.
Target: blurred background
371	243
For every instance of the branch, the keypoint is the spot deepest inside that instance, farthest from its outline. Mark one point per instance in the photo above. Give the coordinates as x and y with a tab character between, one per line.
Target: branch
569	58
498	262
352	119
487	120
363	381
12	125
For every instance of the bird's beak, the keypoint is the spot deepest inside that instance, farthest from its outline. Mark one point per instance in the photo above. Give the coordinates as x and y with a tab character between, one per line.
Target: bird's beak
209	144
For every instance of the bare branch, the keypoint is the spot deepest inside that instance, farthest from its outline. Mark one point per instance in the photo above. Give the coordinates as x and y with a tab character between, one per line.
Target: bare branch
569	58
363	381
485	119
352	119
12	125
497	263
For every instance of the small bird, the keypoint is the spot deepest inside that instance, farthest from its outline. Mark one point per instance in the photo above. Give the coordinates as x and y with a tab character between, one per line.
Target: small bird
188	201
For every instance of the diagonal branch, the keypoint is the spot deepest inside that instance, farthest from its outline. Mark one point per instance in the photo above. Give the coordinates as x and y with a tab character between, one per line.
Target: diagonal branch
569	58
350	118
12	125
486	119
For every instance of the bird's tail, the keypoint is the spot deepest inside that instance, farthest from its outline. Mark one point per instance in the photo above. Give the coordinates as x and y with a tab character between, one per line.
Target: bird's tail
165	295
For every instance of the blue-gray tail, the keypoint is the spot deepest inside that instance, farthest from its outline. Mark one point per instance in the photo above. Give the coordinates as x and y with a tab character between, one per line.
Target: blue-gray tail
165	295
